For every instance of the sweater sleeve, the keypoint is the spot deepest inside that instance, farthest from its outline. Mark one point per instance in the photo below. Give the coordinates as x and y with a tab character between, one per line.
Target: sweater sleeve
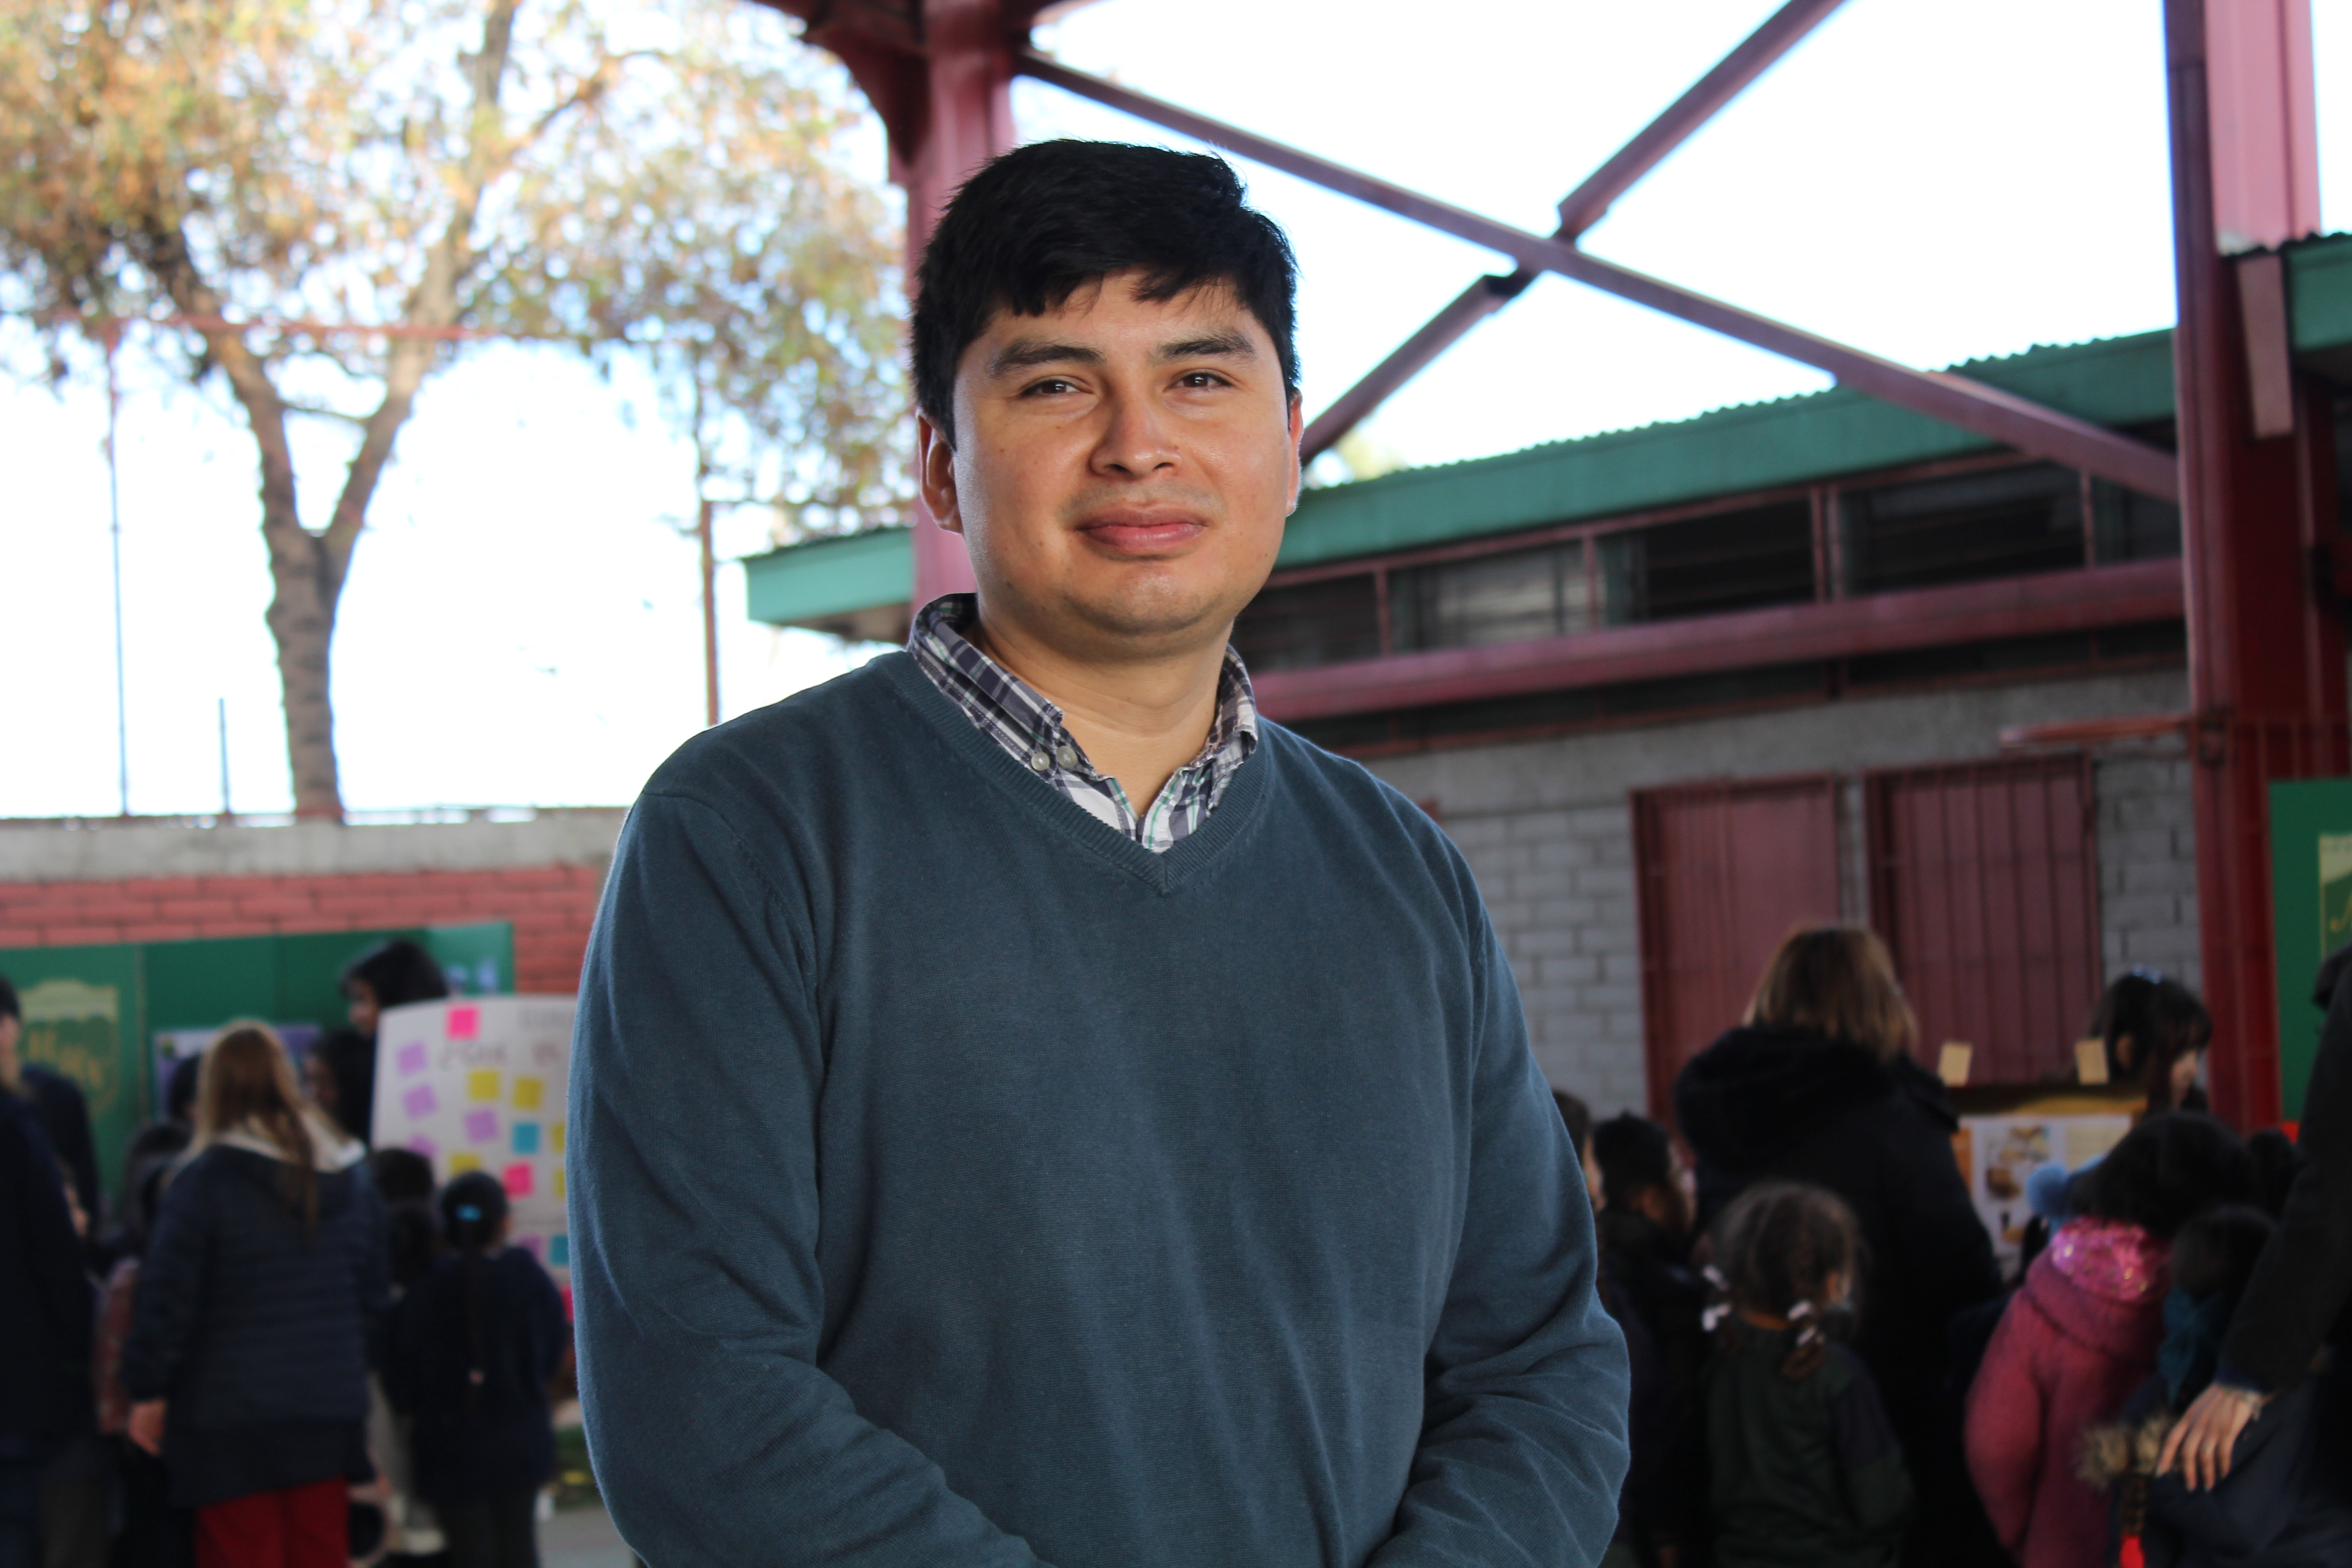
2004	1427
172	1284
53	1253
2304	1274
1523	1443
698	1062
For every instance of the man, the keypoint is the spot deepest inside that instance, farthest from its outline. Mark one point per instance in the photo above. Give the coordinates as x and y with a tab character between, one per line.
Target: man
1027	1106
56	1101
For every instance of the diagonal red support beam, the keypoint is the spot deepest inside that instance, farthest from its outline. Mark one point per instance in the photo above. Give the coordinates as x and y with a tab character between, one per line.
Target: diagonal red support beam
1579	210
1970	405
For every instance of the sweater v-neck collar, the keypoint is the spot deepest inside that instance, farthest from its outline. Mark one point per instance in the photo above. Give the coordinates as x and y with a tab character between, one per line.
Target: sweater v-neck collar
1164	872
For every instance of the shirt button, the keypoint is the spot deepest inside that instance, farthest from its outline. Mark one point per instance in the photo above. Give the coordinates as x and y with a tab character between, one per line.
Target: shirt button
1040	761
1067	756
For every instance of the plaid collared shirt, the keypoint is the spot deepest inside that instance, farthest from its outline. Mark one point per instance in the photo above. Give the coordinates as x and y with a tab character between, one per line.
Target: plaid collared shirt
1031	730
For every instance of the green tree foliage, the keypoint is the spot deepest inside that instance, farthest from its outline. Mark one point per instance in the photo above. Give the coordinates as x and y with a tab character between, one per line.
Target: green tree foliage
665	184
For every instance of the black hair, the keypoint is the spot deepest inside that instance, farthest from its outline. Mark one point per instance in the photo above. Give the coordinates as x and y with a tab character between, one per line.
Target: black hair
153	1149
350	1060
399	972
473	1209
1035	225
416	1239
179	1094
2277	1160
1635	1155
1577	1116
2164	1171
2215	1252
9	1006
1777	1248
2165	1022
402	1175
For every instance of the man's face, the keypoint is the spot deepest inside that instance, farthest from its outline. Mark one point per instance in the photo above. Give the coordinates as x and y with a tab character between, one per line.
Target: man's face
9	1029
1122	467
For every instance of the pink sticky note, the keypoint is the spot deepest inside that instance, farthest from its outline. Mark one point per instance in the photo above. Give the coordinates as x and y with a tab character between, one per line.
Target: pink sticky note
464	1022
517	1178
420	1102
411	1059
425	1146
481	1126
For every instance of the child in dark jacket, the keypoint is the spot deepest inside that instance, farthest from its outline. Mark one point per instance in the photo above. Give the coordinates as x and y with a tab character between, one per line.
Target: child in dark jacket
1804	1468
473	1344
2082	1332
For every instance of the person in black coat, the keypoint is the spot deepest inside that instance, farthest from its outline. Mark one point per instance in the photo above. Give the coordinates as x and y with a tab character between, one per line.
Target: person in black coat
475	1343
260	1298
56	1101
2300	1297
1818	1086
46	1317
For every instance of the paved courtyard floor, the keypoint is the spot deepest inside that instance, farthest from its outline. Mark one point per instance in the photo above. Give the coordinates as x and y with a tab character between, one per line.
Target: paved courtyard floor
583	1537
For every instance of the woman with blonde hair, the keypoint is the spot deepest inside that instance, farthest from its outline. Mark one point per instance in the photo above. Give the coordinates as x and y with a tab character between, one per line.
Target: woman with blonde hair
263	1290
1818	1085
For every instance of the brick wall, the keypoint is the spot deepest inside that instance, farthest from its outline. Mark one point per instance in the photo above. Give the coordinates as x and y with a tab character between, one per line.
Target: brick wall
549	907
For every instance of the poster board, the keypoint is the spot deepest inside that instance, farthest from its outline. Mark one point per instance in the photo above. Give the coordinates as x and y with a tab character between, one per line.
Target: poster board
1997	1153
480	1084
2311	915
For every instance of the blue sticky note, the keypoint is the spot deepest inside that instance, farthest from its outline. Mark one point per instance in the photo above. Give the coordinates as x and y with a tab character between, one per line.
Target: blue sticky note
526	1137
559	1251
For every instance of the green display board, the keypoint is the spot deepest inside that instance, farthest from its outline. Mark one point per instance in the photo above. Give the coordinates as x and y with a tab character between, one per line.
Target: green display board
2311	908
83	1017
95	1013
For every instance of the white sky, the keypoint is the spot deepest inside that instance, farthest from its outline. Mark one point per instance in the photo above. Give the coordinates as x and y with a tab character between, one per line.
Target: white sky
1933	182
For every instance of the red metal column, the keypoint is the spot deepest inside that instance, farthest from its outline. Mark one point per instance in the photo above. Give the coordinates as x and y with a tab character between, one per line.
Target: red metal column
2265	652
940	74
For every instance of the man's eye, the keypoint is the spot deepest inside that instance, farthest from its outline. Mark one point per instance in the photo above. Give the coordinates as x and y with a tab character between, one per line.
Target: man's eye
1055	384
1202	378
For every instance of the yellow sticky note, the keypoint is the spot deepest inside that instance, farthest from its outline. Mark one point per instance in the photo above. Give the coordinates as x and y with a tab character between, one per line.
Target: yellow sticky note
459	1163
482	1083
558	1181
529	1093
1952	1067
2090	1061
555	1136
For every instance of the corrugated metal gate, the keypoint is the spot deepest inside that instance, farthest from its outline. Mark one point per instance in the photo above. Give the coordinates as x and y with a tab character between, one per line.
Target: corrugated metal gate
1982	877
1724	869
1984	881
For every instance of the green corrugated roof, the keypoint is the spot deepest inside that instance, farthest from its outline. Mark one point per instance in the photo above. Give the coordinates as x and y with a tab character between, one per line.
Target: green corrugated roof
2113	381
829	577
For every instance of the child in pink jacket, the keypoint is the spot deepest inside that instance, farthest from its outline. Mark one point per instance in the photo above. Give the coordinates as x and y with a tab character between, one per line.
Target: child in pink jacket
2081	1333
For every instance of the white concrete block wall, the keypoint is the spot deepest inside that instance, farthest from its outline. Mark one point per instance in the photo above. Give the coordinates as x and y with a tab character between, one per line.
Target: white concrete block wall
1546	827
2147	867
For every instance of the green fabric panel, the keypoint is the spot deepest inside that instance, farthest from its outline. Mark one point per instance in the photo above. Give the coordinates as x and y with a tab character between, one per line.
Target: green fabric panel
2319	293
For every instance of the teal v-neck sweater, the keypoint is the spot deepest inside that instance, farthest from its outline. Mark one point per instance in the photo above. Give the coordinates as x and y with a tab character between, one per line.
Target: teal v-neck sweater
955	1182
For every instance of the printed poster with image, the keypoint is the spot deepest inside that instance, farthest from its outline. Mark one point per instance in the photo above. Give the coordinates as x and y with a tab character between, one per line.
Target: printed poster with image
1998	1152
477	1084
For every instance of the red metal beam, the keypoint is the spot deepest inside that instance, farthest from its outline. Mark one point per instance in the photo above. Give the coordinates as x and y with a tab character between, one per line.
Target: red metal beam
1579	210
1840	628
1988	411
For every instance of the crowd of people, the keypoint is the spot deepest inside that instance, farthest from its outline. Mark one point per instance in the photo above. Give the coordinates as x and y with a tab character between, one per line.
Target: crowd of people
281	1350
1830	1368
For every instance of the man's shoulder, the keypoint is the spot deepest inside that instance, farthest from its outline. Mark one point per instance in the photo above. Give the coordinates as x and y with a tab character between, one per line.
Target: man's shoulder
1346	794
814	732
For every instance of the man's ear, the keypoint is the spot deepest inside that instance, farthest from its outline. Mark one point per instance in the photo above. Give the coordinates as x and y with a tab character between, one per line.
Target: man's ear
935	474
1297	431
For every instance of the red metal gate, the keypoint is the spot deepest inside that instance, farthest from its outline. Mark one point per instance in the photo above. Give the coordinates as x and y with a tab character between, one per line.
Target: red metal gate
1724	869
1984	881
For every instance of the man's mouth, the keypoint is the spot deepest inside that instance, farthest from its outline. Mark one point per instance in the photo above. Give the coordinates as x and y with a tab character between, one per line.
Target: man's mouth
1143	532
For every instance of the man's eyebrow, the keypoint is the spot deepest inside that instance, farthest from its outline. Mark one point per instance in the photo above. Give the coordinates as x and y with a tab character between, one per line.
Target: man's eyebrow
1216	345
1027	353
